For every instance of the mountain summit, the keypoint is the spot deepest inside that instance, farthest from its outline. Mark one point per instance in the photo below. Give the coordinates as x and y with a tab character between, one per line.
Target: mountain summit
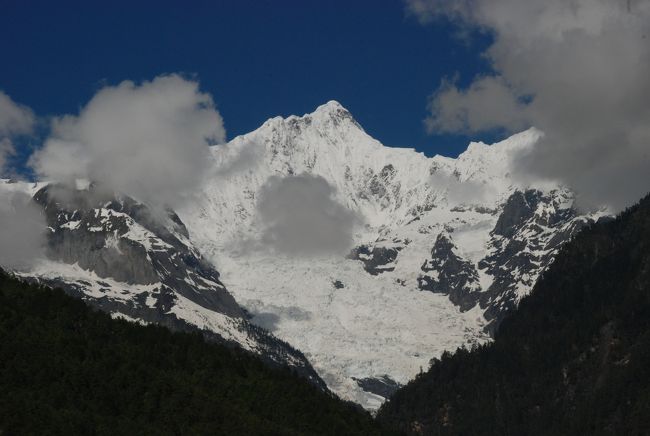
370	319
332	107
431	253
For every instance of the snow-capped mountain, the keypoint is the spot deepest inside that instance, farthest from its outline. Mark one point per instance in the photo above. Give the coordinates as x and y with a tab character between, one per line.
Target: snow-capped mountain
447	246
441	250
120	256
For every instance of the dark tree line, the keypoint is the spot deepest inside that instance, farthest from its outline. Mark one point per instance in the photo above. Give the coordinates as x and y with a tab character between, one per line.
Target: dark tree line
574	359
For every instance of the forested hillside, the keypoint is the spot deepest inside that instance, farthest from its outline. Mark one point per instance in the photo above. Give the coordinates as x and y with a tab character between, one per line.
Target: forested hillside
67	369
574	359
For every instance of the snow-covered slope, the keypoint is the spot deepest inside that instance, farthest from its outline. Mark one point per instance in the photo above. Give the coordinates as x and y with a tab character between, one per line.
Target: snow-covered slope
446	248
119	256
442	250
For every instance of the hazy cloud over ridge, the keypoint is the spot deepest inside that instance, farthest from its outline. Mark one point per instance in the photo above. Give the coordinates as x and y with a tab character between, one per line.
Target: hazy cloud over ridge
467	192
579	70
299	215
22	230
15	119
149	140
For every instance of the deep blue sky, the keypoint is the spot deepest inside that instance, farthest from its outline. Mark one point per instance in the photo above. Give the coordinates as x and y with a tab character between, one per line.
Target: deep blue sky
258	58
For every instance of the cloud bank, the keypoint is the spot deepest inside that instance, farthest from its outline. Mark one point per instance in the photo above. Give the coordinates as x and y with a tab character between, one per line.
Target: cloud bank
467	192
236	160
22	231
148	140
6	151
300	216
579	70
15	120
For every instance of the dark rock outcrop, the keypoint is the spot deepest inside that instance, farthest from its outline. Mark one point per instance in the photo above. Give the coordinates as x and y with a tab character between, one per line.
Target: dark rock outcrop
126	244
383	386
376	260
449	274
529	231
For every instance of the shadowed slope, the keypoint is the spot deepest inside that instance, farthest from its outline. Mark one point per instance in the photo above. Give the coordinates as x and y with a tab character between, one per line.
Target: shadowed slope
574	358
66	369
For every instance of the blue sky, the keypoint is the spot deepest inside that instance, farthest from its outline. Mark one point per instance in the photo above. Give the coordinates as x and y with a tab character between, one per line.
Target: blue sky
257	58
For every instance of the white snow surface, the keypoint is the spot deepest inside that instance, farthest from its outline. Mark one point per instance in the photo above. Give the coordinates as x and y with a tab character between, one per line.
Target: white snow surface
376	324
105	287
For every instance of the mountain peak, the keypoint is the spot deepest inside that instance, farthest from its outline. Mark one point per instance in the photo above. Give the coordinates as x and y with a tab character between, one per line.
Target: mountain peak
332	114
331	110
328	113
330	106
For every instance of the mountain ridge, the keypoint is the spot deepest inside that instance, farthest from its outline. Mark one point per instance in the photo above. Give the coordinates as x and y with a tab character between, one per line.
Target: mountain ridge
573	359
360	316
405	200
119	256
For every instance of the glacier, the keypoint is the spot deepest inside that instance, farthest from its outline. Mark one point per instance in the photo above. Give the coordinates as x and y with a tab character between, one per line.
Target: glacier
441	250
368	315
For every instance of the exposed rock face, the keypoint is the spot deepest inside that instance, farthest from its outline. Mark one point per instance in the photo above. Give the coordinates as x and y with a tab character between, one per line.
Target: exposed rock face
447	273
530	230
121	257
117	237
522	207
383	386
376	260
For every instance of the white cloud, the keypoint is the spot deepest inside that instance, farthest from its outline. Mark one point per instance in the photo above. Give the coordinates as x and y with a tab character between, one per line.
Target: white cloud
240	159
579	70
299	215
6	151
148	140
466	192
22	233
15	120
487	104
